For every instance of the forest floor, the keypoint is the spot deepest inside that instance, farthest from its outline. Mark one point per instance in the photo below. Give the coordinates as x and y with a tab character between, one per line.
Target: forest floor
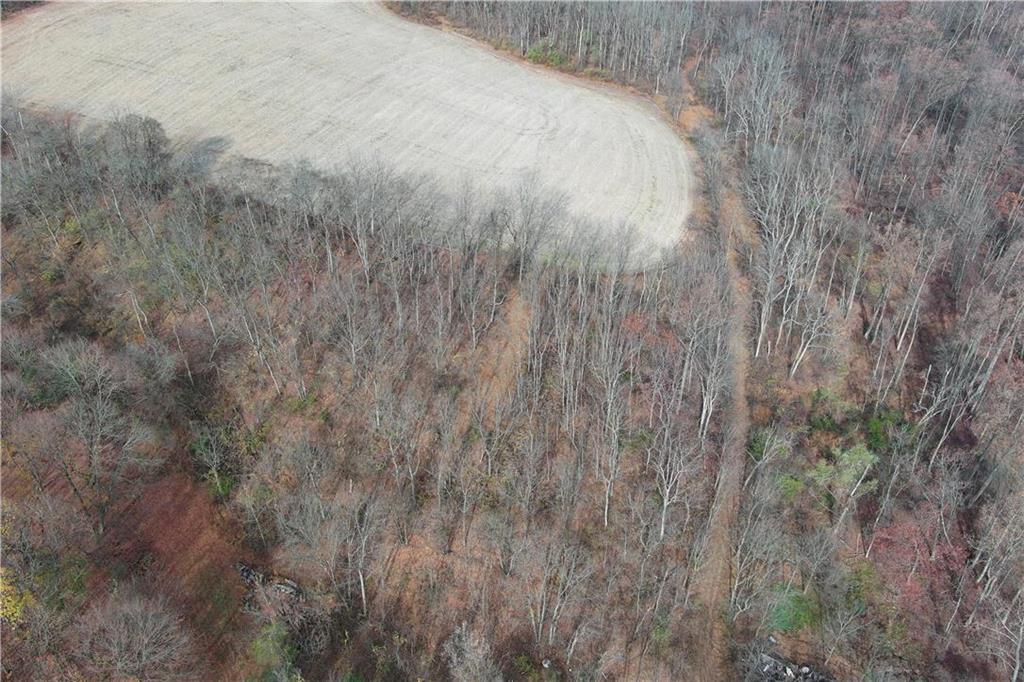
175	531
340	83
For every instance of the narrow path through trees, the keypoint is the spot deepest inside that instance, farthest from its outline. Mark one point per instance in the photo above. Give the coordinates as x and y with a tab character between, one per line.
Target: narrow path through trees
716	572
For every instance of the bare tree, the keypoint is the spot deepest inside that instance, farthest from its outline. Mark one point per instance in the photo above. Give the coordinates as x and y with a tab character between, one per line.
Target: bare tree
109	451
1002	635
469	657
565	571
674	464
759	550
365	524
132	635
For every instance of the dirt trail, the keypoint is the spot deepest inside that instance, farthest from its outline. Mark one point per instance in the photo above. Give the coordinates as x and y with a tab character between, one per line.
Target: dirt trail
715	578
497	360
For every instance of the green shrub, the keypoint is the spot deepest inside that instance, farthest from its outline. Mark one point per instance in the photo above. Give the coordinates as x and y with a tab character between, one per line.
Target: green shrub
213	455
220	484
823	422
12	600
874	434
844	476
850	467
877	428
791	486
898	638
660	636
296	404
863	583
757	444
828	411
535	54
544	53
251	442
795	611
524	667
62	583
599	74
634	441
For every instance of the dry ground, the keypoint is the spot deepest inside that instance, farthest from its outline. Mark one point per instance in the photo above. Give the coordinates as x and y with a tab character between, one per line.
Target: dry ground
333	82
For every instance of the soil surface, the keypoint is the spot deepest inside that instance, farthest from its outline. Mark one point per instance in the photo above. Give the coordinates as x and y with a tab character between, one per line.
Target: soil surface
338	82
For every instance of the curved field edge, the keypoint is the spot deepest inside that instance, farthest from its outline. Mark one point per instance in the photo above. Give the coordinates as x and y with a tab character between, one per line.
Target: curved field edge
344	83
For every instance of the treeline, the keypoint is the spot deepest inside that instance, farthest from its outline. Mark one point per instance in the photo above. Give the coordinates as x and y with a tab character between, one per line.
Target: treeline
9	9
475	448
880	153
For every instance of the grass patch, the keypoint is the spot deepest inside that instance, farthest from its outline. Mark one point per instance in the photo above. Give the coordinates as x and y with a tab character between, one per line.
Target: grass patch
274	655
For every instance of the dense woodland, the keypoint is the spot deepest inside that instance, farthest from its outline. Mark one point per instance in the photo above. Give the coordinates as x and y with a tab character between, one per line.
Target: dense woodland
282	424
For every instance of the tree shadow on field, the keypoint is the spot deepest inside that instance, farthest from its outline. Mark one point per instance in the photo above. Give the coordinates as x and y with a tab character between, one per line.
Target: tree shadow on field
199	157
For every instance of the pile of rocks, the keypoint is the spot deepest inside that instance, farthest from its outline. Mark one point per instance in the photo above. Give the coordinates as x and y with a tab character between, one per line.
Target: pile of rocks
263	588
776	670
